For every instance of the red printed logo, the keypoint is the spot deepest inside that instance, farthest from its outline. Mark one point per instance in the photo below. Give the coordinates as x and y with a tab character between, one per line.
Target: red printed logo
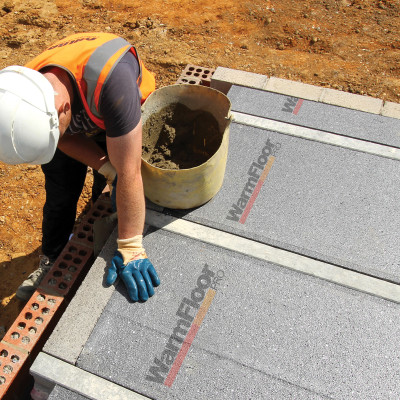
257	173
191	312
292	105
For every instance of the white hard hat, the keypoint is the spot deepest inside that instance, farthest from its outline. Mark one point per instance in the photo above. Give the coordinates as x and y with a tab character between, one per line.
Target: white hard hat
29	130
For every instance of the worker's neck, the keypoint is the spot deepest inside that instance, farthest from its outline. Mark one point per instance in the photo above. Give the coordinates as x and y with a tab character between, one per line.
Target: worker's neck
61	83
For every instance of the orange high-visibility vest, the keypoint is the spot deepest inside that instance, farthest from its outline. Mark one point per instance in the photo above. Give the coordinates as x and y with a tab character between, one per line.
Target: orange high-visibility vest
90	59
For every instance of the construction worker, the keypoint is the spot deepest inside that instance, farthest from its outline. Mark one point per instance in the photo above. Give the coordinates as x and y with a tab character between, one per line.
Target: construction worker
76	105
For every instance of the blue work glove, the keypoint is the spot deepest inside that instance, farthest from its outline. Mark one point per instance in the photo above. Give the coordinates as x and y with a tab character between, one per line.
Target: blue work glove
136	271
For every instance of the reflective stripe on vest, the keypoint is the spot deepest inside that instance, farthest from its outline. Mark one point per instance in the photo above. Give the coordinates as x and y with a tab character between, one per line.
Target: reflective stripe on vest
95	73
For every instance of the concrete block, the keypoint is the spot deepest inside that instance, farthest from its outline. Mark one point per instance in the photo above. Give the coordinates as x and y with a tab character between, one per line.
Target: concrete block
391	109
353	101
293	88
224	78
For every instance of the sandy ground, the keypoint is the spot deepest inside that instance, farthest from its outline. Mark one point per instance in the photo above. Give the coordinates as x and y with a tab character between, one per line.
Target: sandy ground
350	45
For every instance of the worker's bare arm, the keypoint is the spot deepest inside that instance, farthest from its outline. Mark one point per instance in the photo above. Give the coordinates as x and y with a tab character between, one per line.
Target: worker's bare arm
83	149
125	154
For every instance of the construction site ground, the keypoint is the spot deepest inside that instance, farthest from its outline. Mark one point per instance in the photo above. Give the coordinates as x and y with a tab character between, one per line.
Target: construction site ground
349	45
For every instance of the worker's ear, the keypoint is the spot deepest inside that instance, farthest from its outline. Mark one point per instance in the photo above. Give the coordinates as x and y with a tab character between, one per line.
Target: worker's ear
64	116
64	108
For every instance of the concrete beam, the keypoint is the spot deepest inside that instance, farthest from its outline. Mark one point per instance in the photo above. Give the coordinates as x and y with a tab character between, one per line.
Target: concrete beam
224	78
51	371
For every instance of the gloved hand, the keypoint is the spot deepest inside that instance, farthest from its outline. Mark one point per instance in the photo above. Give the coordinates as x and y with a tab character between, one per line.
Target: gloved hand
130	262
109	172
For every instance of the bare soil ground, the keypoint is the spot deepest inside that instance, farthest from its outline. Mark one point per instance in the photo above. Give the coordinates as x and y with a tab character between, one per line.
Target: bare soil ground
350	45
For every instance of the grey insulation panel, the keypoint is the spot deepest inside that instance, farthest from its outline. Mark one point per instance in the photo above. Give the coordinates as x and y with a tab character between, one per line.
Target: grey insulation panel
268	332
312	114
323	201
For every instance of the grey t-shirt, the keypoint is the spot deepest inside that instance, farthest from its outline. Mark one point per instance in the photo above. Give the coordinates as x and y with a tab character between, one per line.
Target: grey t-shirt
119	103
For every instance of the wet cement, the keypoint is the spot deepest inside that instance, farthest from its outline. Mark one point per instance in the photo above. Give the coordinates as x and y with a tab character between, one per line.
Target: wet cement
179	138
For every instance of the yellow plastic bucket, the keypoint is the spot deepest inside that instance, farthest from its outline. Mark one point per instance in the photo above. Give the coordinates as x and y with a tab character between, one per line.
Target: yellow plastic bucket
192	187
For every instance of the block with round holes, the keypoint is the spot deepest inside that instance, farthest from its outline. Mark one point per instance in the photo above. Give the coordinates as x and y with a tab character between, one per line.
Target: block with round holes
105	197
201	73
11	362
103	205
83	233
30	326
188	80
73	260
32	321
